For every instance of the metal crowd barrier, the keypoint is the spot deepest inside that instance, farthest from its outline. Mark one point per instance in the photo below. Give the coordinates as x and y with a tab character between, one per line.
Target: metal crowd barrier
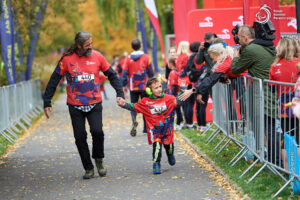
254	114
19	104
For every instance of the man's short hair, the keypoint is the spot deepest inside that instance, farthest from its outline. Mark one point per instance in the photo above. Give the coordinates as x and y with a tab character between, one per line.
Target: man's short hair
208	36
136	44
247	31
194	47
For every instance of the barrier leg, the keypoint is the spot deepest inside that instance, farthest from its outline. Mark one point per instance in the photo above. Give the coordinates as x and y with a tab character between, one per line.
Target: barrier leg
284	186
224	146
241	151
21	125
276	172
212	136
250	167
12	133
7	137
240	157
210	126
26	120
253	177
14	129
220	143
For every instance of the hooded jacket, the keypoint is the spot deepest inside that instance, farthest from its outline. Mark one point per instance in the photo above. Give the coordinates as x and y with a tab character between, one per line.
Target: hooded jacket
257	57
137	69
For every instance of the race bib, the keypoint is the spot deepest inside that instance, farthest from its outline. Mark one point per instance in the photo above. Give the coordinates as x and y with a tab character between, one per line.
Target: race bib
86	77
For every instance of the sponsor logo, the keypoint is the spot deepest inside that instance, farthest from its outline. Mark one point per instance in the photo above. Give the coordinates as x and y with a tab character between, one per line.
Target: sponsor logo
264	14
207	22
293	23
278	71
241	22
225	35
158	109
90	63
86	77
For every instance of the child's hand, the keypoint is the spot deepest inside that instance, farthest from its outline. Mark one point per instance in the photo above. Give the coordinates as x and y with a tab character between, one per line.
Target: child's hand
120	101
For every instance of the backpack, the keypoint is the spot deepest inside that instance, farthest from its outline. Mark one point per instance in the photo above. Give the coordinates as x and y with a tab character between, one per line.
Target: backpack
193	70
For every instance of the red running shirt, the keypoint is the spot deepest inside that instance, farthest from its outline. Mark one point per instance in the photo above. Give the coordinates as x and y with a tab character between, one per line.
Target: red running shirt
172	80
159	116
83	78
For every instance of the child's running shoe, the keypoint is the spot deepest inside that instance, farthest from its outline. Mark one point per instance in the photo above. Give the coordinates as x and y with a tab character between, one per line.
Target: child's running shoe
171	160
156	168
133	129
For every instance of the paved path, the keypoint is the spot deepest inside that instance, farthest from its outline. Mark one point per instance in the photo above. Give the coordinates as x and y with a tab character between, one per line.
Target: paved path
47	165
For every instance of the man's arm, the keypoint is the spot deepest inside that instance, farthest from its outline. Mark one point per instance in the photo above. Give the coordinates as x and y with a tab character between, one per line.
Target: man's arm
114	81
240	64
50	89
199	56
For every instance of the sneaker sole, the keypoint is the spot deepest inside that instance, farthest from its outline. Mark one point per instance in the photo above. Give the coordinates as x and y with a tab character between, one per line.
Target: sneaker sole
133	130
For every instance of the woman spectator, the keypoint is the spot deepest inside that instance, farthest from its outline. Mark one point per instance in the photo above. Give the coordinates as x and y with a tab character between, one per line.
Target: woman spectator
171	53
184	83
222	56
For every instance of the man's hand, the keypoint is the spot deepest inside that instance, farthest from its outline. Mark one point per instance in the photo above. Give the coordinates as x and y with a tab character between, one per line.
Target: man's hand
199	98
186	94
47	111
236	53
201	46
120	101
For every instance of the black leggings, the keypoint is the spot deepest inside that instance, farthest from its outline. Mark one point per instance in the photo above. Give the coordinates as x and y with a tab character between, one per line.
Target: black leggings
94	118
157	150
188	109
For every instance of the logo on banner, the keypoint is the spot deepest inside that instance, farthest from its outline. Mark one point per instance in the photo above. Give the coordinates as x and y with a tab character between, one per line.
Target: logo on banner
264	14
225	35
293	23
208	22
241	22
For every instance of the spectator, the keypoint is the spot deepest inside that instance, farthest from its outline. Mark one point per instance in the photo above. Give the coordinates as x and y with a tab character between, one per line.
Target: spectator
184	83
171	53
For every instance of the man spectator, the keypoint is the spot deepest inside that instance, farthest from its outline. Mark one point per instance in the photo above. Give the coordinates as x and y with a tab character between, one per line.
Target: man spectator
203	57
81	66
137	68
256	55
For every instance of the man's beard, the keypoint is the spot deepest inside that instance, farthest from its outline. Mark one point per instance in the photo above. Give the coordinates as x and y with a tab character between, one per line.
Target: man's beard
85	52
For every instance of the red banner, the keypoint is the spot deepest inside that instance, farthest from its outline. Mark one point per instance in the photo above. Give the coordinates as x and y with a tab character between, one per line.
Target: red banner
222	21
181	9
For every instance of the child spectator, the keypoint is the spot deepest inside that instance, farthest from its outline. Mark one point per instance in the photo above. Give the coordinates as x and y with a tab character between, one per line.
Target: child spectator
158	110
173	89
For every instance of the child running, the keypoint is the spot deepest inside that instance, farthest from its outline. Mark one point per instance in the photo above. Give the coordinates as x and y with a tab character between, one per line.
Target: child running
158	110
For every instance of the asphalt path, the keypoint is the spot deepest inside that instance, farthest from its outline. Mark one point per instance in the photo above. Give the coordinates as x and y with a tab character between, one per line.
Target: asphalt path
46	165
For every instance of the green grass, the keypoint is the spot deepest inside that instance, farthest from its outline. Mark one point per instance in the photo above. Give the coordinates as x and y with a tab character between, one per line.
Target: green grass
264	186
5	144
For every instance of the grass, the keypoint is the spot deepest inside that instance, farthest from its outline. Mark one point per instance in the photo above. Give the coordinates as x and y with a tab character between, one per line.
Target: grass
264	186
5	144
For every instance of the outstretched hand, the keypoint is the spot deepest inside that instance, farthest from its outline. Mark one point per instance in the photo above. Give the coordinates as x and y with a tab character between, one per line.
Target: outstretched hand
186	94
47	111
120	101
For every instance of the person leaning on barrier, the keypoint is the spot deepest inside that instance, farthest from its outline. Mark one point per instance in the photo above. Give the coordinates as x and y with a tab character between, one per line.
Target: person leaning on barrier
256	55
222	56
81	66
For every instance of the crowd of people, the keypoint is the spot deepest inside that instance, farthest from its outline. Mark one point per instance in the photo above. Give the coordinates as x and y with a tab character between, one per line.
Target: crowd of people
189	80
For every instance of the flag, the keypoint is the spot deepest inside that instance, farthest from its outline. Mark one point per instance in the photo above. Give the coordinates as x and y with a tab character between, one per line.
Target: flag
34	32
7	41
154	47
181	9
152	12
140	26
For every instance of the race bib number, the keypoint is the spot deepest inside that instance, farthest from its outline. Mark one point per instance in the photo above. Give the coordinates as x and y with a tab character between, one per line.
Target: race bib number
158	109
86	77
